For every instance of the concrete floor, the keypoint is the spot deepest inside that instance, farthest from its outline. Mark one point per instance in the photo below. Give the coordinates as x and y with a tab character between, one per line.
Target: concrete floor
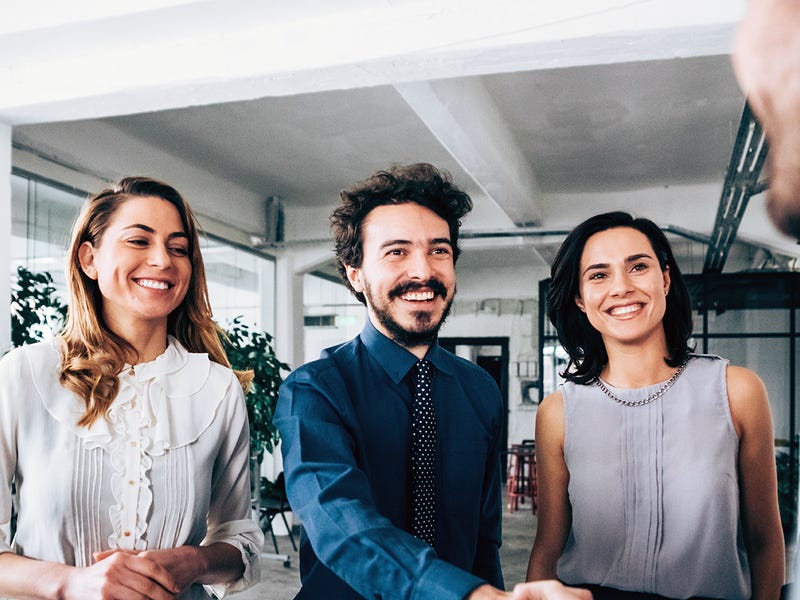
282	583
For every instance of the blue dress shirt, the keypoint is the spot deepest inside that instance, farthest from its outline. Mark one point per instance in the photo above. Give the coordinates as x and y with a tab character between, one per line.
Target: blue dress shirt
345	421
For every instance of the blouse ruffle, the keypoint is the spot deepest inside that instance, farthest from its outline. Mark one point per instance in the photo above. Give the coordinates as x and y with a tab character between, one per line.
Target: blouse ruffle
174	390
161	404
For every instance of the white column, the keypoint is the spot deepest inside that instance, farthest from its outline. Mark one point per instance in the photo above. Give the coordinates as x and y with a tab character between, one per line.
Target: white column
288	341
5	236
288	312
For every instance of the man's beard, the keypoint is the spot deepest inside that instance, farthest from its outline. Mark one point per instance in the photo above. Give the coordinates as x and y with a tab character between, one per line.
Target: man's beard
425	329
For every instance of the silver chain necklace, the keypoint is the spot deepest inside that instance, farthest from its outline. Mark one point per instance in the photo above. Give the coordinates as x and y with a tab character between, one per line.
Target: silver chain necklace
651	398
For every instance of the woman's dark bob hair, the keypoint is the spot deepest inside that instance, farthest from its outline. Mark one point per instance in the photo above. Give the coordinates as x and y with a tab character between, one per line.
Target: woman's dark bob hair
583	343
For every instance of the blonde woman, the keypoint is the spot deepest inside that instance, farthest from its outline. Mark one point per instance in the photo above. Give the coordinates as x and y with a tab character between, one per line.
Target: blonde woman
127	435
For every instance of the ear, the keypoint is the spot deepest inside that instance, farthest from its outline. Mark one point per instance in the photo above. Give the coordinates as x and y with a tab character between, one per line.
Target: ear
86	259
579	302
666	280
355	277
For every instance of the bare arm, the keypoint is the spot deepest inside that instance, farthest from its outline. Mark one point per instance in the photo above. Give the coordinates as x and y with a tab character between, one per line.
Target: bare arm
758	481
121	575
553	502
766	58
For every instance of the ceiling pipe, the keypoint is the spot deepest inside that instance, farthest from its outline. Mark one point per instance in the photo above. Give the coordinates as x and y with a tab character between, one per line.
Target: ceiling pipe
516	232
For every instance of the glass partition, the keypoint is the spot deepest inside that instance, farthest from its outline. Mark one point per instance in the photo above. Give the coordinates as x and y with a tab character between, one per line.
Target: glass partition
239	282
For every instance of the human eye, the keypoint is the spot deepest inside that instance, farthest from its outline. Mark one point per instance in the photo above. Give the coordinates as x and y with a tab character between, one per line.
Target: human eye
640	266
180	251
441	251
395	251
138	242
596	275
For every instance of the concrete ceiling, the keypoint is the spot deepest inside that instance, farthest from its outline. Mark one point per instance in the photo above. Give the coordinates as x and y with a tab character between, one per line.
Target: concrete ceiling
544	114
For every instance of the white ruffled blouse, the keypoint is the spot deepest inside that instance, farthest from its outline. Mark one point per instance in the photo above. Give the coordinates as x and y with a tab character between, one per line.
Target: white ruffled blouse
168	466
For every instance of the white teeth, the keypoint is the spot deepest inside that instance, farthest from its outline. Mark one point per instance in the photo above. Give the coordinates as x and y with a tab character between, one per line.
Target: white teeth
418	296
624	310
156	285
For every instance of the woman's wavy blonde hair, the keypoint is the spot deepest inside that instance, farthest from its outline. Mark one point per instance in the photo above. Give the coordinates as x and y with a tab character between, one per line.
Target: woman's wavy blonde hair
92	356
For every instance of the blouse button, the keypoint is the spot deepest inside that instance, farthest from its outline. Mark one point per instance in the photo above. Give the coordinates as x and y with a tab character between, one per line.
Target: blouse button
131	482
127	533
133	444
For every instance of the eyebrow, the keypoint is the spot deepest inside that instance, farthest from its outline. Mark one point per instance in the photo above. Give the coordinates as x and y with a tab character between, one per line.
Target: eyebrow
433	242
629	259
148	229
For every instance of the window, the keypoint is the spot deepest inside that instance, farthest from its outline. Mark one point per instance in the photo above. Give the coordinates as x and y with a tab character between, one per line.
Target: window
239	282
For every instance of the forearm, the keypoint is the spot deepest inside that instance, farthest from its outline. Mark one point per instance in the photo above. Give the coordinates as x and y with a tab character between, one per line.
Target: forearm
541	567
29	579
221	563
767	570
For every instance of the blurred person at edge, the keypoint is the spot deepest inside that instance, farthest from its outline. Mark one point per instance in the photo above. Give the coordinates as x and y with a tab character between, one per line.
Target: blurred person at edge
766	59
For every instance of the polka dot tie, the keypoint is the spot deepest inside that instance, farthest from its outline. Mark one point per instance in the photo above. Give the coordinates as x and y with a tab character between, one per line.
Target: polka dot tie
423	447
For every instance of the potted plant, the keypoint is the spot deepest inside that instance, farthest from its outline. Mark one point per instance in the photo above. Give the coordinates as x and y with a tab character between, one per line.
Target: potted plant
250	349
36	309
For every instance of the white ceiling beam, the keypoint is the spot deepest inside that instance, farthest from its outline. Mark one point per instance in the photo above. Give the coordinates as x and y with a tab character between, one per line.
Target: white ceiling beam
465	120
223	207
218	51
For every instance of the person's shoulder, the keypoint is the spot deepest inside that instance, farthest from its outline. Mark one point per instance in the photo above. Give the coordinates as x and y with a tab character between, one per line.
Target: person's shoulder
464	367
459	363
326	366
744	381
699	357
551	404
342	351
37	354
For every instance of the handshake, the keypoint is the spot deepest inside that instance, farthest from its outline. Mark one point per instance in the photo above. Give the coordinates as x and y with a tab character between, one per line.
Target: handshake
534	590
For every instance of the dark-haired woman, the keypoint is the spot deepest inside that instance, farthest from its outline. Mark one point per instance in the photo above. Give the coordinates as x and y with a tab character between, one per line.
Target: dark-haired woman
127	435
656	466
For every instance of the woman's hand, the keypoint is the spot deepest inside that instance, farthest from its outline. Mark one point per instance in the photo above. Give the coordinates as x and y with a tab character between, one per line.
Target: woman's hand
186	565
121	575
549	590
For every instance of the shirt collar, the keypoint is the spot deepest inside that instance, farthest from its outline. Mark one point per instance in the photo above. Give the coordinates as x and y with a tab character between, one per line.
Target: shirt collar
396	360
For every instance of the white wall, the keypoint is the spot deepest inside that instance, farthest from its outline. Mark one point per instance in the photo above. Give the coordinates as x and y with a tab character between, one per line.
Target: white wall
502	303
5	234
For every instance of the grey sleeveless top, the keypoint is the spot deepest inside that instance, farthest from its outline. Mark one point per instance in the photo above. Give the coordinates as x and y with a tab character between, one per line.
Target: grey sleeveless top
654	488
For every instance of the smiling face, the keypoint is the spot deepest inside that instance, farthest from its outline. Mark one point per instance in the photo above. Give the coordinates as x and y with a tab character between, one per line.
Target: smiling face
407	273
141	265
622	288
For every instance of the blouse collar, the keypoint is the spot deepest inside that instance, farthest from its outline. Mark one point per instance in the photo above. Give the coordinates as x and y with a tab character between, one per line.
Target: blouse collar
177	401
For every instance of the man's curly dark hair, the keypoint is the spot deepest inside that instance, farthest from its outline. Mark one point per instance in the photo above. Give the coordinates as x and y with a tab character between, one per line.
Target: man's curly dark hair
420	183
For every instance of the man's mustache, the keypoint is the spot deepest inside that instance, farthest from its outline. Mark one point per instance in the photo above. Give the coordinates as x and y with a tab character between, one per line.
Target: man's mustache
433	284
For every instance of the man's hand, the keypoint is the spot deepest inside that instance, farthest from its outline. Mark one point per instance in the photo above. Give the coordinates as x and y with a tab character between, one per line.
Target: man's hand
548	590
535	590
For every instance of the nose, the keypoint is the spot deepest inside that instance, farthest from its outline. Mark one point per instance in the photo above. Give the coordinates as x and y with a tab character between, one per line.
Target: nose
419	265
159	256
620	284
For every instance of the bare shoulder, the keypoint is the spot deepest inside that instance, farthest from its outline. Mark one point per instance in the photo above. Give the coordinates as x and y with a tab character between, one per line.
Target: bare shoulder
550	417
747	396
552	406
